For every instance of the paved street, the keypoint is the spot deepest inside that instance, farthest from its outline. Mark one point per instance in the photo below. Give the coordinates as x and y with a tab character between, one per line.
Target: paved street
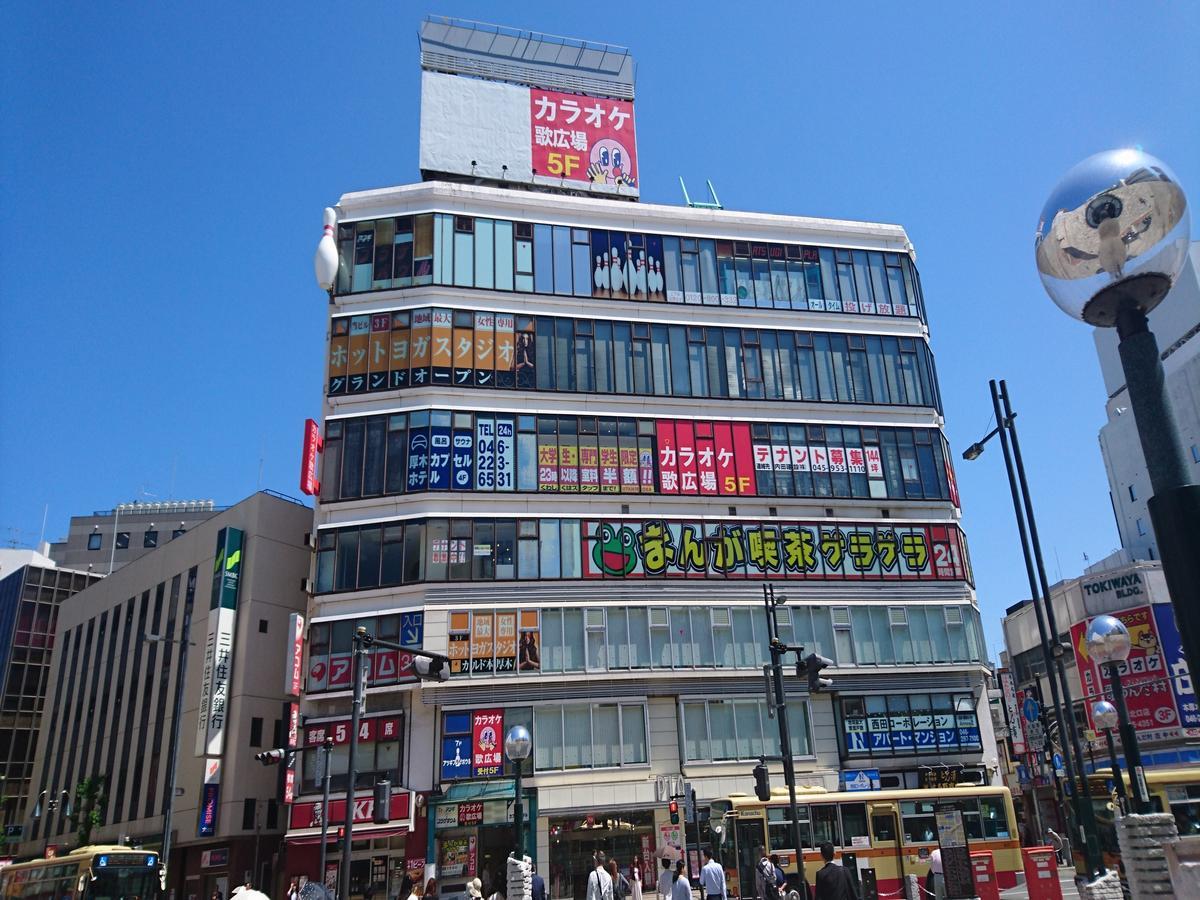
1066	877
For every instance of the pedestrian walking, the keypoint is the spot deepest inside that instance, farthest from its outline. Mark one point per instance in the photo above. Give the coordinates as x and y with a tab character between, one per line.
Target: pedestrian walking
712	878
834	882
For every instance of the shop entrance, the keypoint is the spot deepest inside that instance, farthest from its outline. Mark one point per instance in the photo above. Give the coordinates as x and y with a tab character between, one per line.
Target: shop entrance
495	844
622	836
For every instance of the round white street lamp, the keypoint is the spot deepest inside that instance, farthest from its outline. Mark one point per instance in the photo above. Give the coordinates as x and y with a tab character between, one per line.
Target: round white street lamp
1107	719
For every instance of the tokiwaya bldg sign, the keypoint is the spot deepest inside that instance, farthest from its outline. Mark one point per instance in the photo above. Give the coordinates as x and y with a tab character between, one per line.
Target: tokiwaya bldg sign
524	109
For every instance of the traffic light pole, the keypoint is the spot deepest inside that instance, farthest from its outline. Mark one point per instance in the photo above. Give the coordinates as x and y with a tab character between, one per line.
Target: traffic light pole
326	750
785	737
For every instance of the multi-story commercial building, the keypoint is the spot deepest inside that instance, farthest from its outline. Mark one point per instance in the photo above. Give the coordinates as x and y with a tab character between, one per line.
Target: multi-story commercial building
567	440
110	538
1176	324
110	707
32	592
1162	704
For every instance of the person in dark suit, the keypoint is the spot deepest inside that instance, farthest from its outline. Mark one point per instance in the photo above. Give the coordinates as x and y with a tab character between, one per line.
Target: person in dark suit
833	881
538	892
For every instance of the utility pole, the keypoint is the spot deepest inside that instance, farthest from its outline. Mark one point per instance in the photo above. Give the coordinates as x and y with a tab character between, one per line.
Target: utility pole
779	702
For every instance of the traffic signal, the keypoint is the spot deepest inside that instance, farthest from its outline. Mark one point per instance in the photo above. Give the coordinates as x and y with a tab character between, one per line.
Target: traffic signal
674	808
383	799
428	669
762	786
813	664
271	757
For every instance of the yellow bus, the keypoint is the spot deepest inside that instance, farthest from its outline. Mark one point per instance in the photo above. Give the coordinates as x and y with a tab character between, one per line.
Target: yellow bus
89	873
892	832
1176	791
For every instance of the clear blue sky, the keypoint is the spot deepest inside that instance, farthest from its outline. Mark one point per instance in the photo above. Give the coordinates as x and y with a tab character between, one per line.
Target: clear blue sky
165	167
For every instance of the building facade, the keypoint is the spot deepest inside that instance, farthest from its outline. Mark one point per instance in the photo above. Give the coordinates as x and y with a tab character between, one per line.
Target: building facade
1176	325
110	538
32	592
1162	704
567	441
105	740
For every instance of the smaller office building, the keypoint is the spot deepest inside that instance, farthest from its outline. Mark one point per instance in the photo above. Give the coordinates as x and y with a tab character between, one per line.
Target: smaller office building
105	738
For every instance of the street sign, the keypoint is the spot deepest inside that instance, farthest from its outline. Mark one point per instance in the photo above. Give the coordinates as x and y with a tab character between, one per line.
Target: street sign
1035	737
1030	709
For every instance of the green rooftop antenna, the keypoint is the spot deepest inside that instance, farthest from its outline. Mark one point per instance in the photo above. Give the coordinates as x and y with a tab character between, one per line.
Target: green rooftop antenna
697	204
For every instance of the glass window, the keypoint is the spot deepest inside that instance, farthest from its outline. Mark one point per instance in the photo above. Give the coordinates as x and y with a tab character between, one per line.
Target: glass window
573	640
606	731
639	638
695	731
633	735
721	732
749	728
577	737
548	737
543	259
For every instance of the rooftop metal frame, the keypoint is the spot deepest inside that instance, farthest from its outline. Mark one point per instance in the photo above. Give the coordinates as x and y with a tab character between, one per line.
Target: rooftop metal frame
500	53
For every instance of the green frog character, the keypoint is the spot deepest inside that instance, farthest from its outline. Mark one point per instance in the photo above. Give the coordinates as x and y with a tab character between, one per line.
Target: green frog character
614	552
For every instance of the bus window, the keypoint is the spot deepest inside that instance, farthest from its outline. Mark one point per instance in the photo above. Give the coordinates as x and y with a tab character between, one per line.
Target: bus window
920	826
825	825
884	826
780	828
994	817
854	822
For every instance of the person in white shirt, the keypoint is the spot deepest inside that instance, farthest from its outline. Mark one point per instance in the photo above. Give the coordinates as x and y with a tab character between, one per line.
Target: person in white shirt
681	887
712	878
599	885
664	880
935	873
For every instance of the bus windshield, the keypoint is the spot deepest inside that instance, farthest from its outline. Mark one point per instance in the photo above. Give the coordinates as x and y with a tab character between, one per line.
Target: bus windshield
122	883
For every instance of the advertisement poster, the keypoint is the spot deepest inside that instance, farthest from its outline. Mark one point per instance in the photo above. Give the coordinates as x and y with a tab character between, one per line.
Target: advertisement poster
1016	728
487	743
459	647
1177	669
218	646
485	348
529	649
1144	678
506	642
457	858
482	642
583	139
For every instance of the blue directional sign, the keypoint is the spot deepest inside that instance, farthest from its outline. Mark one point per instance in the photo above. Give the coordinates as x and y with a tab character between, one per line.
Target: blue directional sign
1058	761
1030	709
412	629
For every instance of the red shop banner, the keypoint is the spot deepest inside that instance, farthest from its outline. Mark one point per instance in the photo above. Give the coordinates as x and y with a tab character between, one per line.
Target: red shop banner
308	815
1144	677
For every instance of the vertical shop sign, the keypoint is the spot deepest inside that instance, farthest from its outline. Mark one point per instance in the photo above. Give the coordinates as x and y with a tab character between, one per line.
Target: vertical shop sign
339	355
210	799
668	457
441	355
463	457
459	647
487	752
706	458
485	349
400	346
506	463
1016	728
727	478
439	457
547	451
293	679
218	647
685	435
485	453
1177	669
482	642
505	350
378	352
464	356
313	445
506	642
418	459
589	465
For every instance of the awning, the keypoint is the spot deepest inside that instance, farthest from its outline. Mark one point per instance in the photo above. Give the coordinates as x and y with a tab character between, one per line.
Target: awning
500	789
304	836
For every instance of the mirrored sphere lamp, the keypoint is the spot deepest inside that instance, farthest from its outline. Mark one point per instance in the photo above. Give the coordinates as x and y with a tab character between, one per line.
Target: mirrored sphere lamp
1113	235
1107	640
1104	714
518	743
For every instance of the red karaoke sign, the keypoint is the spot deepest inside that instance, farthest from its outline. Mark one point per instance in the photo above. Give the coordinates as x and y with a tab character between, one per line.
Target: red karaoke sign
583	139
313	445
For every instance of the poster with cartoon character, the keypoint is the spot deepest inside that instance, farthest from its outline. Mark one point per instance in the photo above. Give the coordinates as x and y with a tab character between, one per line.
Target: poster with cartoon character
583	139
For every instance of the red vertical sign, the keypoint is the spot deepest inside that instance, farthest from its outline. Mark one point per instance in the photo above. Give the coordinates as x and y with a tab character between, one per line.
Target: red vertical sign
668	457
743	455
706	458
685	435
487	742
727	482
308	461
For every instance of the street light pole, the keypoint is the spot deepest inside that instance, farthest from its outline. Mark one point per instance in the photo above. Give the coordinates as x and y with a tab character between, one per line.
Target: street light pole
326	749
517	745
1085	817
1106	717
357	660
173	760
1082	804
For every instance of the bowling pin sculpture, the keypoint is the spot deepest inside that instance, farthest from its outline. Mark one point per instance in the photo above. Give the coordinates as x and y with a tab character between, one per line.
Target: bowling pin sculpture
325	263
614	273
658	279
630	272
598	277
643	282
